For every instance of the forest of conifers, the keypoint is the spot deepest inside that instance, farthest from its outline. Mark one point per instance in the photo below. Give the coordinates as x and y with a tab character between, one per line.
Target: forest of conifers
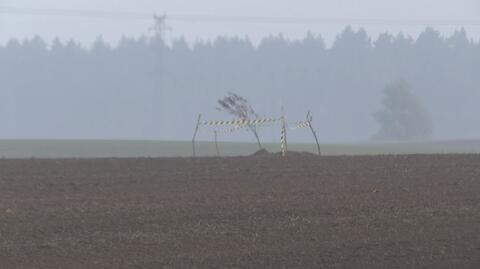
144	89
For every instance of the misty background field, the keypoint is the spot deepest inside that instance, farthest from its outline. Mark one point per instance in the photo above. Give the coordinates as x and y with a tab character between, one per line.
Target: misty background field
141	83
143	88
129	148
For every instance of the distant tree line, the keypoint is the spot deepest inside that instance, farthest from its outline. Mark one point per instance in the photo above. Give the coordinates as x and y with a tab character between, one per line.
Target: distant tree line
142	88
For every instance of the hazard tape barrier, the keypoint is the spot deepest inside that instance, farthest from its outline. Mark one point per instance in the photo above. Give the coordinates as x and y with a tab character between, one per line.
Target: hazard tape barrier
301	125
243	122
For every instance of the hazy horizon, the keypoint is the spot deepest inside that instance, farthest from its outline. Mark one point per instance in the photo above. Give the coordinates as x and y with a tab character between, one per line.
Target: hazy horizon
141	90
86	30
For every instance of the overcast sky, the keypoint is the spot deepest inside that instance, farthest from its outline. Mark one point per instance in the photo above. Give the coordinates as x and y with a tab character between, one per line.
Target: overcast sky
87	29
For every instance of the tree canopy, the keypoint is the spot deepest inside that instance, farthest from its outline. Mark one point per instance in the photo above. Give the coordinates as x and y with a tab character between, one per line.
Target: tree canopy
403	116
130	90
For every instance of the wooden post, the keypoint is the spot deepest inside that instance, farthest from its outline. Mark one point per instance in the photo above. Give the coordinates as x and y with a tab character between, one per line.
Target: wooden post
283	138
216	142
195	135
309	120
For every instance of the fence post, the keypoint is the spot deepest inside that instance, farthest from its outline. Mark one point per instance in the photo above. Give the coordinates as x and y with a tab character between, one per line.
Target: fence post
216	142
283	136
309	120
195	135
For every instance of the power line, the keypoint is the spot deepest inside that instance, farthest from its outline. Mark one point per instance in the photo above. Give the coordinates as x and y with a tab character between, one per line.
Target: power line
195	18
91	14
324	21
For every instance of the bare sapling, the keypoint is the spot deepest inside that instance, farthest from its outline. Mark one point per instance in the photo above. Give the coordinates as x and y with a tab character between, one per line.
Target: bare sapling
240	107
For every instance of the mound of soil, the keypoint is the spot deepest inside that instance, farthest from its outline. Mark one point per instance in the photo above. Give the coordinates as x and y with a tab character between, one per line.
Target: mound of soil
262	152
296	154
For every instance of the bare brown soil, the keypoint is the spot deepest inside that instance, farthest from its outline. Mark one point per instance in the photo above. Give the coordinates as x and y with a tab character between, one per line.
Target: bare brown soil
245	212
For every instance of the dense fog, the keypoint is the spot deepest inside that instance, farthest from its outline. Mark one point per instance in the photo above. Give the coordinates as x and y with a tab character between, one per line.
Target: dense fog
144	89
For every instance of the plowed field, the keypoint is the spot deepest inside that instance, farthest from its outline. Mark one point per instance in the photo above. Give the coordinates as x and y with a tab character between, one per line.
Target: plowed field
417	211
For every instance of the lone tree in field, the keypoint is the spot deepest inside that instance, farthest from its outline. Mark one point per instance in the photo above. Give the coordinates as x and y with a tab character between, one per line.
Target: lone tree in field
239	107
404	116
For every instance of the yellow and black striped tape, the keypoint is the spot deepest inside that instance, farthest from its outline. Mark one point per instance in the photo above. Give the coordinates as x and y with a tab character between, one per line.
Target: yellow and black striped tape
301	125
242	122
283	138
